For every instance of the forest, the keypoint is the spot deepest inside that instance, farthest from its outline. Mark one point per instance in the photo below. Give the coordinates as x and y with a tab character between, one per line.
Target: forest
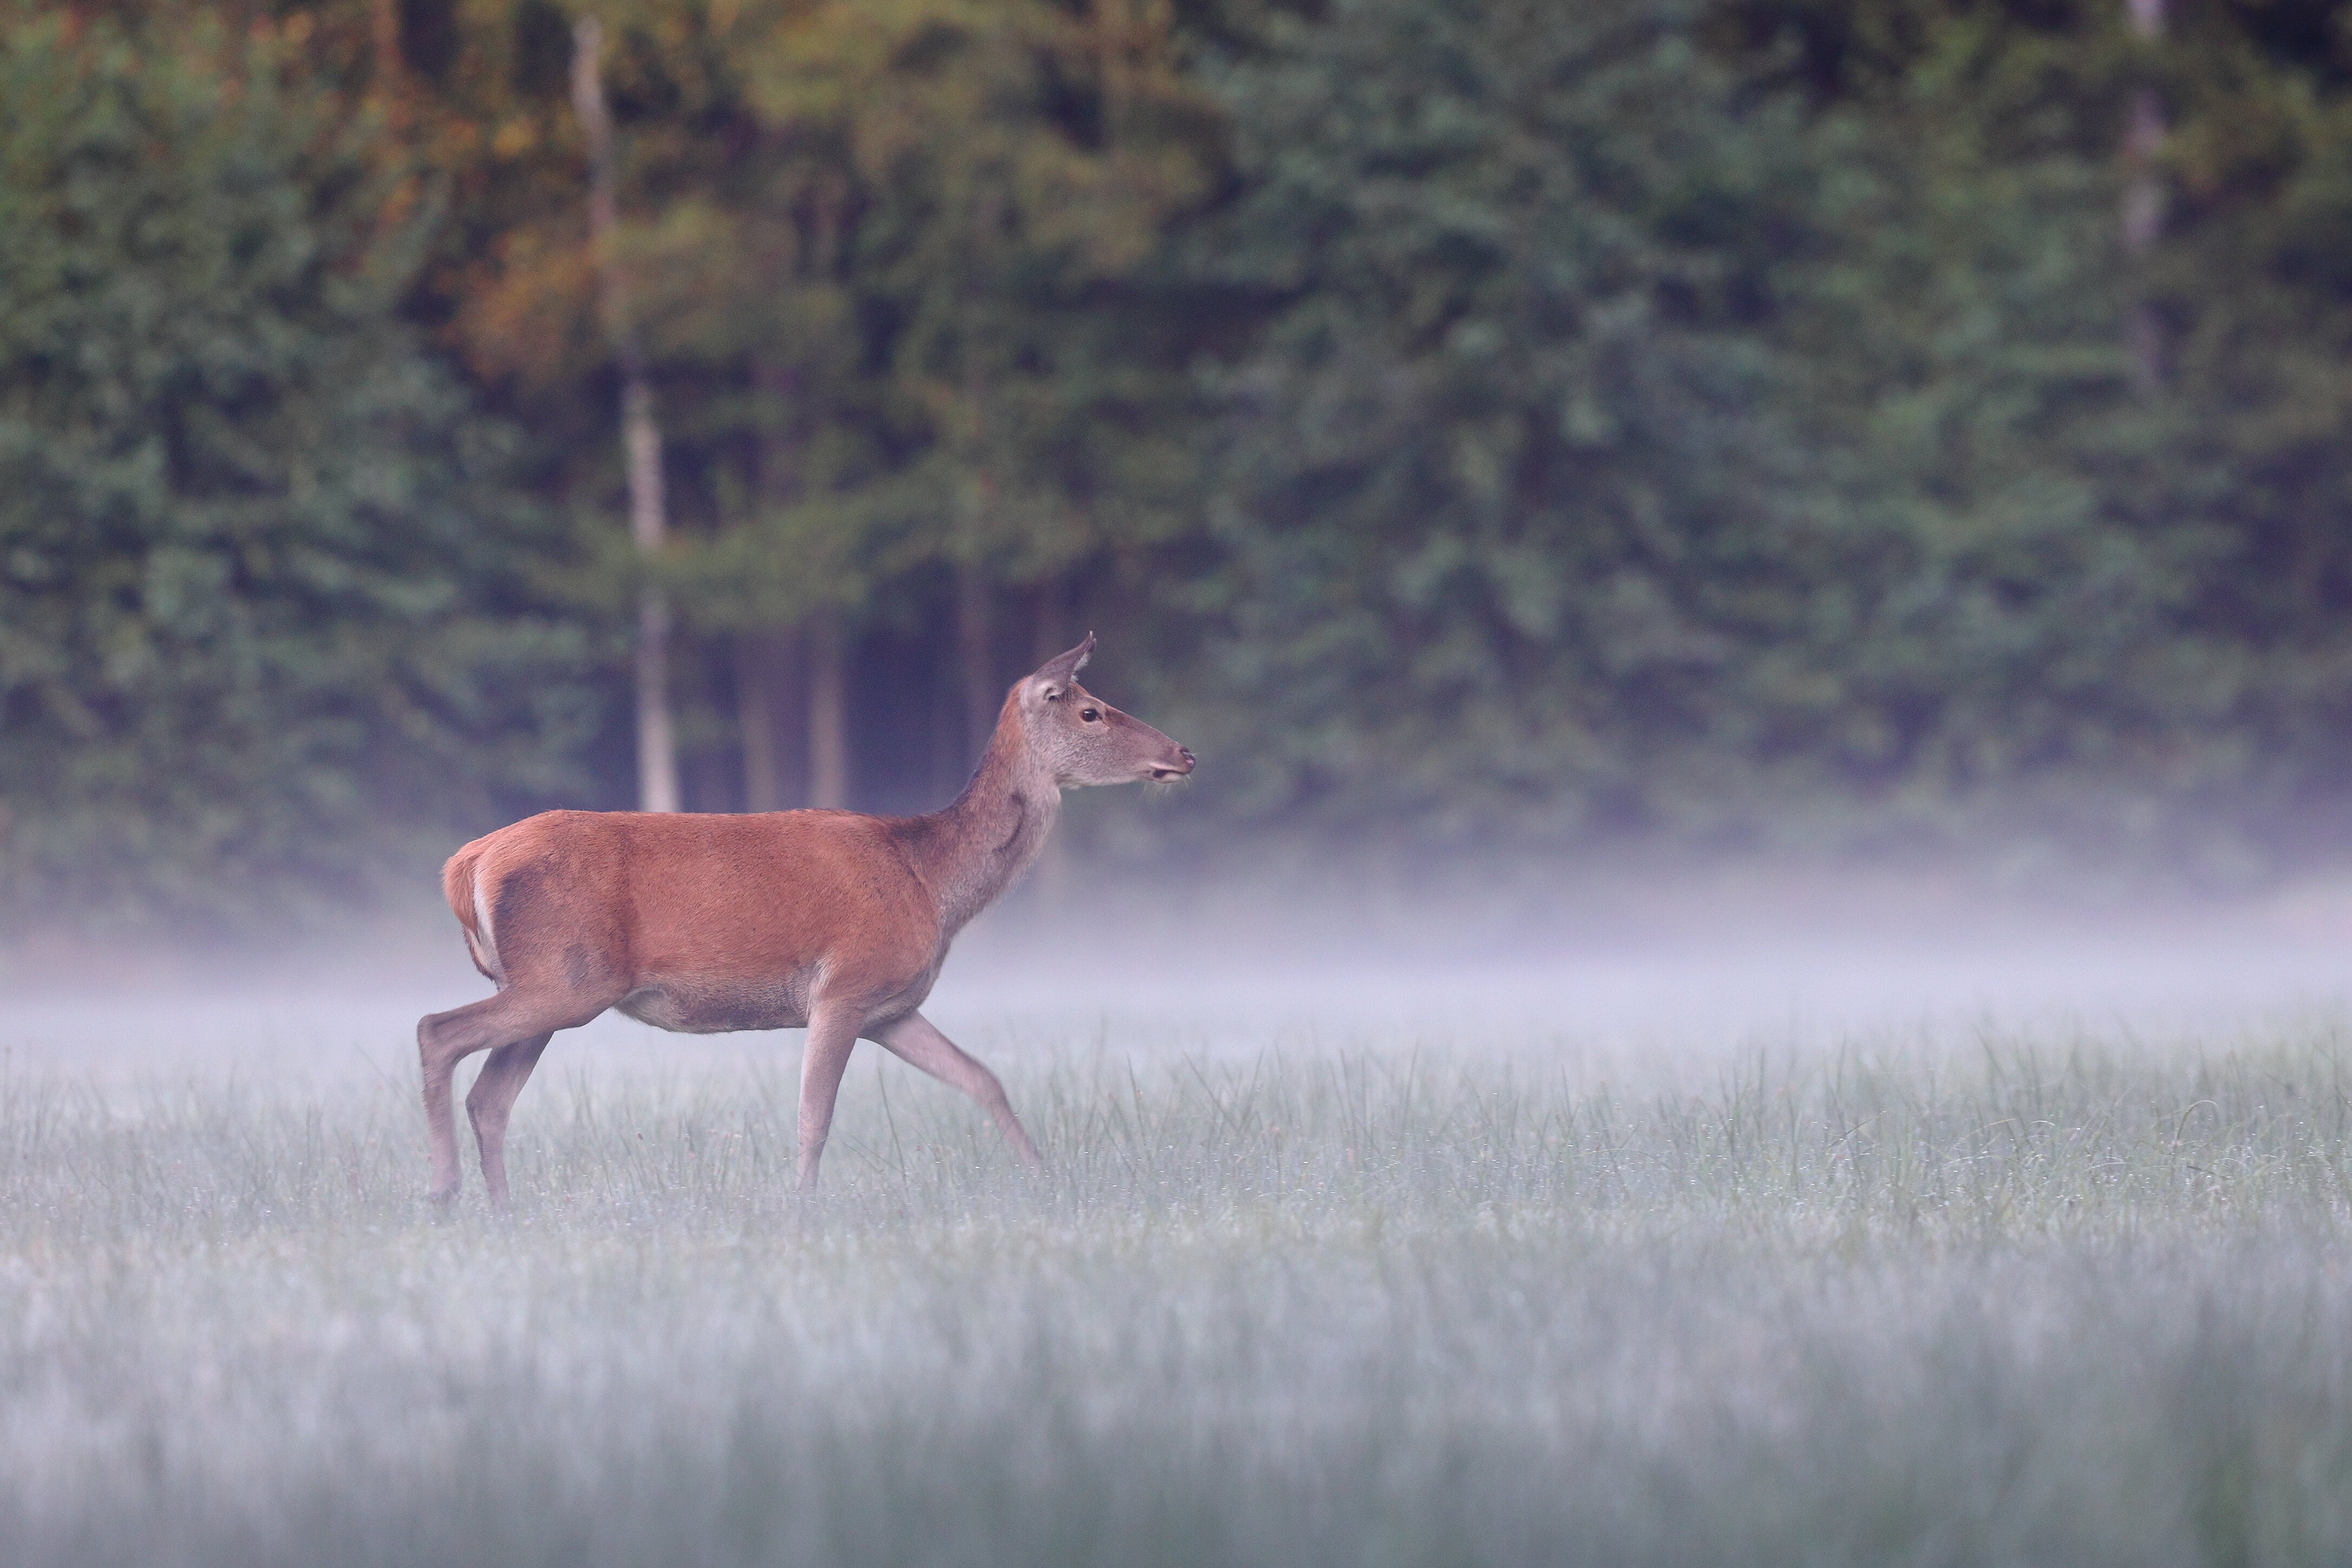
1475	426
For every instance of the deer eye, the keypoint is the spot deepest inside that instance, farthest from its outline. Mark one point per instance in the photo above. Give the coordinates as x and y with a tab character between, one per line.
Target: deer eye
1089	714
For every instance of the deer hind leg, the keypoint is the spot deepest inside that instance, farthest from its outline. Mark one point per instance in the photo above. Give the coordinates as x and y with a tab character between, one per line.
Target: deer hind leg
491	1102
831	1035
916	1040
445	1039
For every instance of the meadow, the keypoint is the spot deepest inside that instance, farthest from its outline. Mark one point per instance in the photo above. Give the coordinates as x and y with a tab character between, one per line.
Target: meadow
2055	1295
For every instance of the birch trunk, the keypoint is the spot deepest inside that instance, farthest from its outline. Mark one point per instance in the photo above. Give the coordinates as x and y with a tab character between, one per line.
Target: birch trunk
657	787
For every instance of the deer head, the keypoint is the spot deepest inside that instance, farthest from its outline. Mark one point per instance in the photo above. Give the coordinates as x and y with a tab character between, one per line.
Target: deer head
1080	739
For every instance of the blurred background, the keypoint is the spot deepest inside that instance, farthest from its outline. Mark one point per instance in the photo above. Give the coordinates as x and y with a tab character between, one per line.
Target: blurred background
1489	431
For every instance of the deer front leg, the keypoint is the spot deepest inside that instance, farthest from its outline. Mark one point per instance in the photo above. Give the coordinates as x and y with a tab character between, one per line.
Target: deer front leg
916	1040
831	1035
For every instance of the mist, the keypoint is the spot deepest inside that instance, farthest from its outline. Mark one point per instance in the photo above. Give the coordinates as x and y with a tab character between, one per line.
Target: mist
1675	969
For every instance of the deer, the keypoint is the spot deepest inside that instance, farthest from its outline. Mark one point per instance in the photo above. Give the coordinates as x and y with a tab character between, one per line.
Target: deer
833	921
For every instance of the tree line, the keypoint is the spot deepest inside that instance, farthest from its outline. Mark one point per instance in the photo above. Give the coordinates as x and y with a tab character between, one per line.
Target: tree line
1496	423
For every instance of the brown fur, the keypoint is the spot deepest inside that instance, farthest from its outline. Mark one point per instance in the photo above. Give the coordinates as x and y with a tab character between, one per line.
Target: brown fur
830	920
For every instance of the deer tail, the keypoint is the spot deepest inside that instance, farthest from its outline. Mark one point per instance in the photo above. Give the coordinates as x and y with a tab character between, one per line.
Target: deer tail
462	883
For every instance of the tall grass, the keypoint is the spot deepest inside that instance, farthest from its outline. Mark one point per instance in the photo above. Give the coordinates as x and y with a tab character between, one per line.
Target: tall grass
2022	1301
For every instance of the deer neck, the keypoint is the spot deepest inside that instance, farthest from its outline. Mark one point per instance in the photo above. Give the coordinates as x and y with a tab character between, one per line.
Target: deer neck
974	848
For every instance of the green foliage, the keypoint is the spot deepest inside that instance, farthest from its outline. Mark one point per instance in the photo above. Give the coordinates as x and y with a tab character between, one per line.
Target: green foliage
2256	283
900	275
252	541
1021	162
1625	447
1500	511
2004	585
2112	607
1494	422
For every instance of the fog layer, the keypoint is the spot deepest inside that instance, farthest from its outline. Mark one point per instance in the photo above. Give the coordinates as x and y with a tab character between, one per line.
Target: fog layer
1656	973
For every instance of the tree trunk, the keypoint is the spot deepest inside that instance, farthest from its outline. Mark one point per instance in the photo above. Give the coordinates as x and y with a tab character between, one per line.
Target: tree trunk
771	698
975	666
388	66
383	19
976	669
2142	212
1050	631
771	667
657	787
828	712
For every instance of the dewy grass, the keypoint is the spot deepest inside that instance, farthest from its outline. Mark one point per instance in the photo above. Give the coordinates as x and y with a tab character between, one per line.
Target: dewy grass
2020	1301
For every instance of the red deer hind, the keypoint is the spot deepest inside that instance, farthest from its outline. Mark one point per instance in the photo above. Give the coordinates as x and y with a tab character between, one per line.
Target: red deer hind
829	921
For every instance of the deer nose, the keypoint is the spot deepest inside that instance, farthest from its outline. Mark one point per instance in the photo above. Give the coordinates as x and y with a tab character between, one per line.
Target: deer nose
1186	753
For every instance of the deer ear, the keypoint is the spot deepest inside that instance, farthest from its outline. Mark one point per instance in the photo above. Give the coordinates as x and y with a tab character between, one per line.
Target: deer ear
1058	674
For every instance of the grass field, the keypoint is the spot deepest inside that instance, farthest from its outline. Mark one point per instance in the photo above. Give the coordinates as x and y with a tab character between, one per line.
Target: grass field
2057	1299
